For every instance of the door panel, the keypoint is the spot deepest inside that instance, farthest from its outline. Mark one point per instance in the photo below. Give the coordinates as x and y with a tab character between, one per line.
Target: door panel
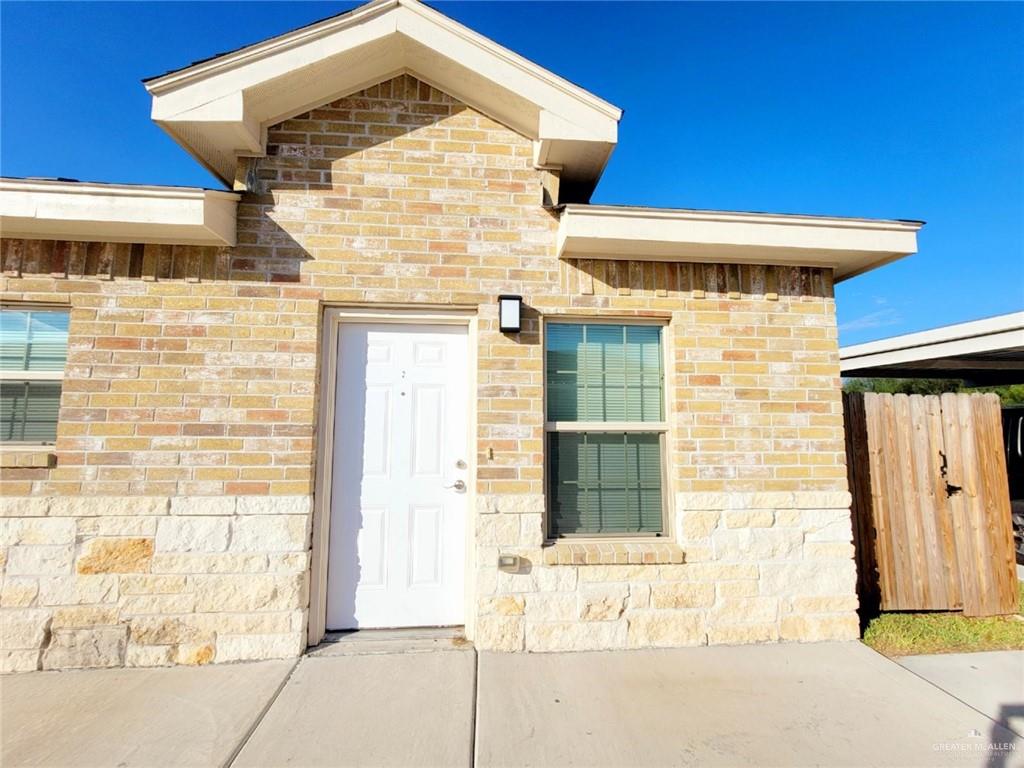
397	536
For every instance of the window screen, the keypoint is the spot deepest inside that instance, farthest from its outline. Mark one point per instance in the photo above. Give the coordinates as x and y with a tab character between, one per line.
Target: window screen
33	351
605	414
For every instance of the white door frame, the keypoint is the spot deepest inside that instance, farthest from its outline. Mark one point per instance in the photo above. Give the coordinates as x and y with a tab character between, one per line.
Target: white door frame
333	317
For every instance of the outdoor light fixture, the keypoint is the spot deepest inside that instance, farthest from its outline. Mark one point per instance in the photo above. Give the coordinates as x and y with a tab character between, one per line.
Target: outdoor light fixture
510	311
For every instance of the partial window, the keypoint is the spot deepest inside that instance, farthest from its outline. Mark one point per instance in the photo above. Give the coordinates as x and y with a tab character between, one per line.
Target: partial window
33	350
605	429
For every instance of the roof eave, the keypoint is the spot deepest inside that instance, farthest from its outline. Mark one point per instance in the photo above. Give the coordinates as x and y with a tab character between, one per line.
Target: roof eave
848	246
50	210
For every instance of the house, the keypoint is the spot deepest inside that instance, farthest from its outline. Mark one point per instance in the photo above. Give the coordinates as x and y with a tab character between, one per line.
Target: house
403	374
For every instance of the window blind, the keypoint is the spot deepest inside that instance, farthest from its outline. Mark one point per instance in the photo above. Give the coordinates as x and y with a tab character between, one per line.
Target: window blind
604	481
28	411
33	352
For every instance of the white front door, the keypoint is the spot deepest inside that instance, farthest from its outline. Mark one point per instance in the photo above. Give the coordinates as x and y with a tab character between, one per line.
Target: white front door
398	502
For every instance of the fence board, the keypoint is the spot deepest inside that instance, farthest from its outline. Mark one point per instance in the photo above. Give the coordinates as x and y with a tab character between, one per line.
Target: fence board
930	503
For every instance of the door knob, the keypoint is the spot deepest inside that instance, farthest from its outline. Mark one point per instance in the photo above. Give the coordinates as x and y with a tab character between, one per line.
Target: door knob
458	485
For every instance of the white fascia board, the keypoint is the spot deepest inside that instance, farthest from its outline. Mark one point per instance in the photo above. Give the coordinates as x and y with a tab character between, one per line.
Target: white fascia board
990	334
850	246
39	209
271	81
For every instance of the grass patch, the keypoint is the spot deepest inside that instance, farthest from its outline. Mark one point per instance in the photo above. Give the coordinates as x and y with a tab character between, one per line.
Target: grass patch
903	634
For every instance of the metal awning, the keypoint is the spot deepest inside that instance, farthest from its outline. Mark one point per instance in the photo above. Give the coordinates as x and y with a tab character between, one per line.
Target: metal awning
982	352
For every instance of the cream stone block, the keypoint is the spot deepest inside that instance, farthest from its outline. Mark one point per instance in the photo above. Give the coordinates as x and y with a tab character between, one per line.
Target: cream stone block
161	605
809	579
39	561
193	534
504	605
575	635
755	544
701	501
24	506
666	629
839	530
639	596
742	634
788	518
18	592
259	623
256	647
697	524
107	506
149	655
749	518
78	589
551	606
203	505
602	602
198	563
250	592
828	550
595	573
23	628
708	572
194	654
486	580
827	604
683	594
86	648
560	578
519	504
499	633
115	555
726	589
92	527
531	530
486	505
763	500
821	500
147	584
274	505
498	530
744	610
286	533
171	630
524	581
811	628
36	531
84	616
288	562
18	661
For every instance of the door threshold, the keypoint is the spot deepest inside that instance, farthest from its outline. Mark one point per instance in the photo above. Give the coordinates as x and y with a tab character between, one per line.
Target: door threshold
357	642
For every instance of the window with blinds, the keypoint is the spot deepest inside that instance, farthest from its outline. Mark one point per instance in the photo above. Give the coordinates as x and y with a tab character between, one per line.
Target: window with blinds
605	426
33	350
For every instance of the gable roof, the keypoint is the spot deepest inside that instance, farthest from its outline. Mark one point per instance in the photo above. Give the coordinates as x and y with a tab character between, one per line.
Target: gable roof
220	108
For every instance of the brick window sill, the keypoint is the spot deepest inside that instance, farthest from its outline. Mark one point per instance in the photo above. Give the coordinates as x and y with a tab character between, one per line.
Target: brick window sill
592	552
27	457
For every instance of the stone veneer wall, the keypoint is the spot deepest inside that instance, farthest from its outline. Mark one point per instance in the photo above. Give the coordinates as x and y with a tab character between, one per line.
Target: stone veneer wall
110	581
191	387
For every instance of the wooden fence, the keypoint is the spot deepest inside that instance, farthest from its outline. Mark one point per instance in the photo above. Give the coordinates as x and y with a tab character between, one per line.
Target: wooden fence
931	507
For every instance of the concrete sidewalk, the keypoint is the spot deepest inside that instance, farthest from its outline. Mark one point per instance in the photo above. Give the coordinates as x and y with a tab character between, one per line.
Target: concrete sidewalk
833	704
992	682
183	716
442	704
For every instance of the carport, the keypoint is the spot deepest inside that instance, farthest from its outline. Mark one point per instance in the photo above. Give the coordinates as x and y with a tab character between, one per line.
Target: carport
984	352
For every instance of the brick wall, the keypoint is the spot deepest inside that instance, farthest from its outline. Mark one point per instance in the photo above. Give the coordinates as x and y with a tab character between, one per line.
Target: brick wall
191	382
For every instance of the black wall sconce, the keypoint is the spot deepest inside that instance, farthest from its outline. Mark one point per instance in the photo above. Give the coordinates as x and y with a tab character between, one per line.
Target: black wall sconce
510	313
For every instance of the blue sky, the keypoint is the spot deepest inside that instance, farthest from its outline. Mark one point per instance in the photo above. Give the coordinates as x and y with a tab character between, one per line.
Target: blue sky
909	110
